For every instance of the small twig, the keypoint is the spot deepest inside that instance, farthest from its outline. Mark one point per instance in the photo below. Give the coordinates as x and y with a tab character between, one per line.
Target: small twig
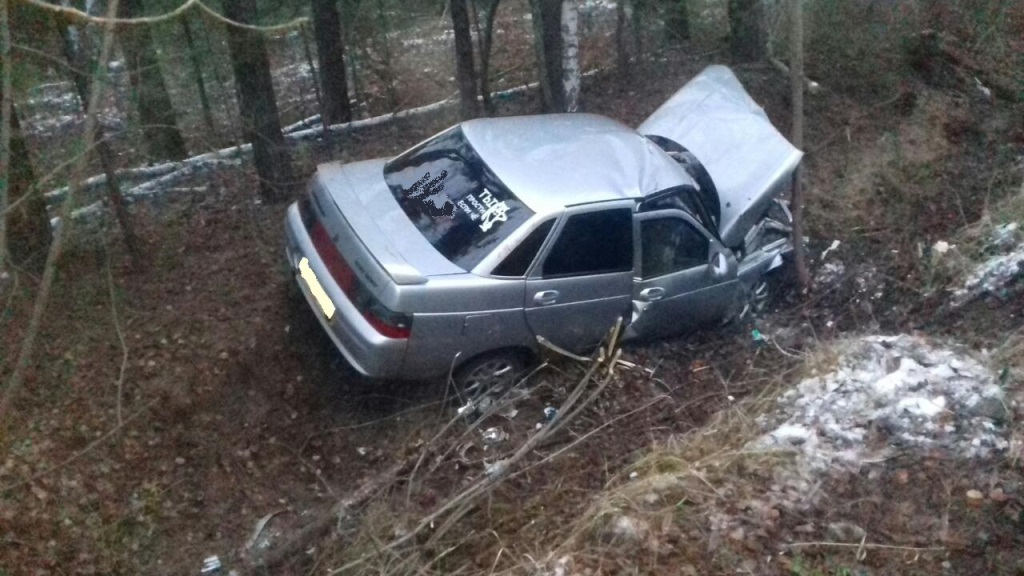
82	452
306	465
120	338
867	546
550	345
364	424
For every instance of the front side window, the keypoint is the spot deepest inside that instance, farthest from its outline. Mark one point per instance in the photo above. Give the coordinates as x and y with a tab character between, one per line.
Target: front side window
454	198
596	242
670	245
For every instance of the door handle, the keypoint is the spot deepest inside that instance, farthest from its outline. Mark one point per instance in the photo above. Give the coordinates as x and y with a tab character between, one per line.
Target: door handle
652	294
545	297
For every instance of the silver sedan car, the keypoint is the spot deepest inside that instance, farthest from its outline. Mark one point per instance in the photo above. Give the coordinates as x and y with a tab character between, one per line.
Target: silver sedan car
457	254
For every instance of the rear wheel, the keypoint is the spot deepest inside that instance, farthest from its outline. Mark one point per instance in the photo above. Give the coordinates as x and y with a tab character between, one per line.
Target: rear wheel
489	373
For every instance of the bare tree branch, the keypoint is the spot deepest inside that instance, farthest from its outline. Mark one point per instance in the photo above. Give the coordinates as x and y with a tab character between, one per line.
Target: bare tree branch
5	129
16	379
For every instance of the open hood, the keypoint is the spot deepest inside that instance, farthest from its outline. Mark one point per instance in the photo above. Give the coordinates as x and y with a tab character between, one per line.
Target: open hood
749	161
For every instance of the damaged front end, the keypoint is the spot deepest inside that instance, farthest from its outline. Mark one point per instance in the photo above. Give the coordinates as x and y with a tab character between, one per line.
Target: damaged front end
750	163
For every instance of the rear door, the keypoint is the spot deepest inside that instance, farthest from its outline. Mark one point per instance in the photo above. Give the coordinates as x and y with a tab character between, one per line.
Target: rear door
581	284
685	278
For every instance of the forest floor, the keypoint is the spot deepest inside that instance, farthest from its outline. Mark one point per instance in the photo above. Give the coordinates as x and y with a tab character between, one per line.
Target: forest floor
180	408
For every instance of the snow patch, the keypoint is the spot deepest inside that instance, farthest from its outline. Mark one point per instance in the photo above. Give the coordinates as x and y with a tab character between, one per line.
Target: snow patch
883	394
997	274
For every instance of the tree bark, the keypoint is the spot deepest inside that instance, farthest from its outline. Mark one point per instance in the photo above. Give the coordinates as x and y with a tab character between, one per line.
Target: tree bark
465	71
639	7
571	80
797	84
77	53
547	32
486	40
28	227
261	124
330	51
621	55
197	71
748	40
156	112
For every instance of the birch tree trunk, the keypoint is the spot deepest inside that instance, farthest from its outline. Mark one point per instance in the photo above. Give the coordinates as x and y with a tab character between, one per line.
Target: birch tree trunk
156	112
570	56
261	124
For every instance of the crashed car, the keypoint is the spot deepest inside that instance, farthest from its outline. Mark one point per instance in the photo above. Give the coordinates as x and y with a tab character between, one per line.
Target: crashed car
457	255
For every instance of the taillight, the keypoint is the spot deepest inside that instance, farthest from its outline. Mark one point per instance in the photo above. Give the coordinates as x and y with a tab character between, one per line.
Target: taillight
386	322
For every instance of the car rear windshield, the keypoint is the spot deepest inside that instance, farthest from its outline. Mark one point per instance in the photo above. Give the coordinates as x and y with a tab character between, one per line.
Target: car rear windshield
453	198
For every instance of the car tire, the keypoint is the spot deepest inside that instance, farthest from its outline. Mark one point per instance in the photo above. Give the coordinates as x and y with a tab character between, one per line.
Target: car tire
489	373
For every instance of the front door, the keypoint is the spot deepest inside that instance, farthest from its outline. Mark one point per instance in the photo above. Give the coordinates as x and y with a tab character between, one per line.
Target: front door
684	278
581	284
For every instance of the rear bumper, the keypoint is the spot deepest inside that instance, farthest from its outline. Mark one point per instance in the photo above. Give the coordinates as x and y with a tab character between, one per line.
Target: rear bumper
365	349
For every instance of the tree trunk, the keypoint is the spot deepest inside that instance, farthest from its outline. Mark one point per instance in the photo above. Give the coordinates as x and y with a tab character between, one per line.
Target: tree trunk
28	227
677	23
639	7
330	51
316	79
797	83
77	54
748	40
197	70
156	112
621	55
571	80
261	124
464	69
547	32
486	40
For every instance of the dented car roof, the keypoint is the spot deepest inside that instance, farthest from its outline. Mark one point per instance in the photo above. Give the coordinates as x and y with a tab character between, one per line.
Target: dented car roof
559	160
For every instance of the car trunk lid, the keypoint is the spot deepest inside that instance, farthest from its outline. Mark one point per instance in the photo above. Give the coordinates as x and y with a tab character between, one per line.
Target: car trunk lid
370	229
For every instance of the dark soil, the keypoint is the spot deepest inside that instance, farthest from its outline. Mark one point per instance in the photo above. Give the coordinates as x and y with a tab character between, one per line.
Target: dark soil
234	405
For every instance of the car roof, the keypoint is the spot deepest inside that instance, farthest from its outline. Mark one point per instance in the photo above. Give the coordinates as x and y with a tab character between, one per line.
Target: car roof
558	160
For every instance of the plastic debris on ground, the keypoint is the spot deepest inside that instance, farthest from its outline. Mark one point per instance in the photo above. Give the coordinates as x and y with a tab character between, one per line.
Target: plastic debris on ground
995	275
494	436
211	565
550	413
883	395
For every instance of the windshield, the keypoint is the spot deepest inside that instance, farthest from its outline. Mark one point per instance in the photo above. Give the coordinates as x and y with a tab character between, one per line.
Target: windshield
453	198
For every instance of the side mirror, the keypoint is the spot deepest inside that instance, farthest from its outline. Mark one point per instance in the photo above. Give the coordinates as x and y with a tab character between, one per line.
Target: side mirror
719	265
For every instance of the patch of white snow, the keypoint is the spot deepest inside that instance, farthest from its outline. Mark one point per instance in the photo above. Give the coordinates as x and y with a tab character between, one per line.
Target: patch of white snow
883	394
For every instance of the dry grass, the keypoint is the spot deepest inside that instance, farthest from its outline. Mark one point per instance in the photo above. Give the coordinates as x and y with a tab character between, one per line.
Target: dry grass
678	490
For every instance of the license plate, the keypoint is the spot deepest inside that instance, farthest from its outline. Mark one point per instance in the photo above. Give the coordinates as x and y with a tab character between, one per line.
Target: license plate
316	289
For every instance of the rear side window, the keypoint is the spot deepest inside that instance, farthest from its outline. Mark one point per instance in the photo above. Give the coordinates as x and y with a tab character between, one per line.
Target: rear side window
592	243
454	198
518	261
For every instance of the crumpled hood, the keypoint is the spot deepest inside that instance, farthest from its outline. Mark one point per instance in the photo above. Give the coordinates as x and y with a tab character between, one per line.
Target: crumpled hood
747	158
